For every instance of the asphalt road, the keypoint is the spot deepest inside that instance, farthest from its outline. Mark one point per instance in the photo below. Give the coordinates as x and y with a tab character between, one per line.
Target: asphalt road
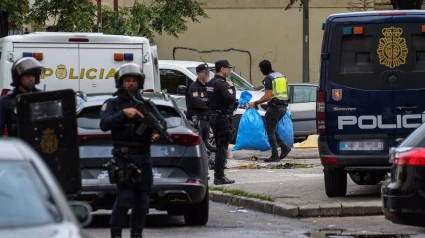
223	223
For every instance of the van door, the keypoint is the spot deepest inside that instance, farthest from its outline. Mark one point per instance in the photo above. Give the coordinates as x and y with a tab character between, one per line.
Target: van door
360	100
98	64
60	61
408	39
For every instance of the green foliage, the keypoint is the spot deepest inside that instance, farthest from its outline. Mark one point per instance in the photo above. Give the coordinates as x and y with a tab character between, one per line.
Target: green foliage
143	19
292	2
67	15
159	16
18	11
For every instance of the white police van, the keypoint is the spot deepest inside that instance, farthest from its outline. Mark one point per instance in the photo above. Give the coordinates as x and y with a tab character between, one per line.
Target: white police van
80	61
371	93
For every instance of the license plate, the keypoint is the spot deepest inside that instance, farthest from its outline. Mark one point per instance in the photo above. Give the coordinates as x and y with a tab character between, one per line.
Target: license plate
368	145
104	174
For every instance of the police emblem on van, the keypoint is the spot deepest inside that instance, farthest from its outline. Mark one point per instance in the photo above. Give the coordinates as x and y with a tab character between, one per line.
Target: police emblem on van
392	50
61	72
336	94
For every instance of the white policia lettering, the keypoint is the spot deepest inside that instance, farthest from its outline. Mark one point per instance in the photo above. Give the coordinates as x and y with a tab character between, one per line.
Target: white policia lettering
373	122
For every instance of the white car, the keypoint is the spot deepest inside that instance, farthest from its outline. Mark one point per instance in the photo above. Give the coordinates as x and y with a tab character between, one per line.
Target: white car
176	76
32	203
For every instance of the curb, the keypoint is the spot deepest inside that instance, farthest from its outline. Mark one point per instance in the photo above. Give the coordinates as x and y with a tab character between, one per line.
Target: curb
276	208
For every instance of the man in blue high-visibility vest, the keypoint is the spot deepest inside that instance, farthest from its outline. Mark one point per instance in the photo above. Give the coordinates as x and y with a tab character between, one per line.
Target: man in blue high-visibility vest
276	94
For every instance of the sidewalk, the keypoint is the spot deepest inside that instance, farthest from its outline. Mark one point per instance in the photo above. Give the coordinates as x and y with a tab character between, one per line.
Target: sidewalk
299	192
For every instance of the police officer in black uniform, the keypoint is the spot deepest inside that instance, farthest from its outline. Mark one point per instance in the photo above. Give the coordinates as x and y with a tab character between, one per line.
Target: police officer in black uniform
222	101
197	101
131	152
25	75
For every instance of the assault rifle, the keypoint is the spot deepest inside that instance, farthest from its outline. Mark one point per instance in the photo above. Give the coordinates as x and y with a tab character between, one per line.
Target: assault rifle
151	114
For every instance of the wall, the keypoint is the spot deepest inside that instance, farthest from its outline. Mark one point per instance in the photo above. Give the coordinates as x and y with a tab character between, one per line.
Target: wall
245	33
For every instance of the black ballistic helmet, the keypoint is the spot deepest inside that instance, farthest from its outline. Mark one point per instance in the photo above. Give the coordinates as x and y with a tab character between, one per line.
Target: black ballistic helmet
26	66
130	69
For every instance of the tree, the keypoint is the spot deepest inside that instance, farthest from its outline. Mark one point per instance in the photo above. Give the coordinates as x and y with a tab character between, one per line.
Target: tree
397	4
360	5
67	15
159	16
17	11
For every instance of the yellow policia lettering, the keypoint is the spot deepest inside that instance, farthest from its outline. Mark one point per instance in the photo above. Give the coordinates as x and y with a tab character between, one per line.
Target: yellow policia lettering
392	50
61	72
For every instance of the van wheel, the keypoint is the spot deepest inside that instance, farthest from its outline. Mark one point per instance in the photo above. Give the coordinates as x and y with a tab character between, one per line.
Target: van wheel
335	182
197	214
371	178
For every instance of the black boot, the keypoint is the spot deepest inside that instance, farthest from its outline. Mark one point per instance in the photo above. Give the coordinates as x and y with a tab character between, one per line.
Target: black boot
284	151
136	233
115	232
223	180
273	158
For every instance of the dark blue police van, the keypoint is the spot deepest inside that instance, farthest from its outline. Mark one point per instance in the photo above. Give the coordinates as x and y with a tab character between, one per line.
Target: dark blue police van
371	92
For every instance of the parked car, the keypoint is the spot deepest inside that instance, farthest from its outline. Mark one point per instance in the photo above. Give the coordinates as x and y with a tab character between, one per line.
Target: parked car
180	169
32	203
366	103
403	199
176	76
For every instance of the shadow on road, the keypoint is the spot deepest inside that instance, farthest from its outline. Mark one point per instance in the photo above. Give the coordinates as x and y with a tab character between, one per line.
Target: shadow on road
154	220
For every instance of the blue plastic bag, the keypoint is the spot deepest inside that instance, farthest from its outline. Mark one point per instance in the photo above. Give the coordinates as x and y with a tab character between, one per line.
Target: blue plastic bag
252	133
244	98
285	129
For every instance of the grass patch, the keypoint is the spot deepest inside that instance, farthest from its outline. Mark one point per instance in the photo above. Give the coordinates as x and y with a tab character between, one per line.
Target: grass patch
242	193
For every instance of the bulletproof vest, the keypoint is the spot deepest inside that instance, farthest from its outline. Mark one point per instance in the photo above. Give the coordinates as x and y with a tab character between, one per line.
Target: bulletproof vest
216	101
126	134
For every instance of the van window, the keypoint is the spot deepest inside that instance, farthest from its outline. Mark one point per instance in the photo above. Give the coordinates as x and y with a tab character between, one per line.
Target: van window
171	79
353	59
356	53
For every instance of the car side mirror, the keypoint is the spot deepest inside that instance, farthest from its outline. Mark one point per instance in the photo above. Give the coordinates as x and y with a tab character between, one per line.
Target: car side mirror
82	212
181	89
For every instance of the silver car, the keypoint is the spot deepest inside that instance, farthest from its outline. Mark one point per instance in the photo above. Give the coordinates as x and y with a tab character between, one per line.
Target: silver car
32	203
180	169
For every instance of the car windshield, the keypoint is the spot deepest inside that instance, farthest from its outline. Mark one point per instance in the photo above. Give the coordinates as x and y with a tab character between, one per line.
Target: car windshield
24	200
240	83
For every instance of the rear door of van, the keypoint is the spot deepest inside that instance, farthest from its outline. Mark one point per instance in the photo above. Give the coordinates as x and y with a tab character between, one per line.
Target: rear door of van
360	117
409	71
374	82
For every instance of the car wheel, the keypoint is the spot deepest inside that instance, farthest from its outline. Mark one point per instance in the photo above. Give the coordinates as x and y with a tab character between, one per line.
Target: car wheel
335	182
371	178
211	144
198	214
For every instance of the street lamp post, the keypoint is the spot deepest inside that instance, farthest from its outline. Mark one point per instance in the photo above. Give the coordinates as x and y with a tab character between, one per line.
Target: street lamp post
306	68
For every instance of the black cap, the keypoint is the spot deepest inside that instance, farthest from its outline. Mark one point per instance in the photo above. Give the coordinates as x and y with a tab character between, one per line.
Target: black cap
222	64
201	68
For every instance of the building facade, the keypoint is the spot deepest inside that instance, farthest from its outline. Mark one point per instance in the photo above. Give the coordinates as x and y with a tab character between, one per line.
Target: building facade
248	31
